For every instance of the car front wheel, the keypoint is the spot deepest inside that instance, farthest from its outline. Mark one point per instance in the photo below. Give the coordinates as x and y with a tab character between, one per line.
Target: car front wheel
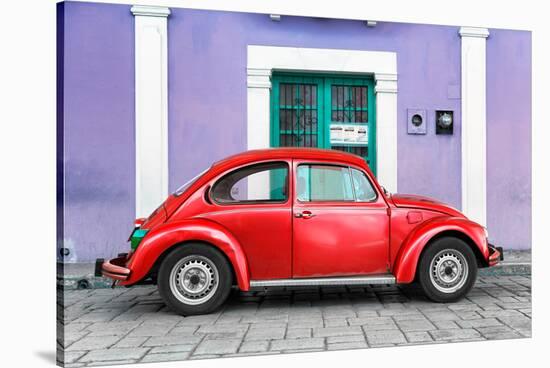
194	279
447	270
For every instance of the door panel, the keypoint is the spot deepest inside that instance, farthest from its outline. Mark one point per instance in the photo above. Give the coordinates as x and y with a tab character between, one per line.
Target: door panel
305	108
254	203
264	232
352	104
336	237
296	106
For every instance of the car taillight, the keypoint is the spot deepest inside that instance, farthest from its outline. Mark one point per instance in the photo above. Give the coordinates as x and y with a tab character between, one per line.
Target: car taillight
139	221
136	237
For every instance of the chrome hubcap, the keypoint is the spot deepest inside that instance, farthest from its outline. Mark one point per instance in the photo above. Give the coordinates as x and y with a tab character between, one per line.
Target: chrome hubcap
448	271
194	280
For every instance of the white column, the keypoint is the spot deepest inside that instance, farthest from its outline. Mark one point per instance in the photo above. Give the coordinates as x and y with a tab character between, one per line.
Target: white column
258	110
386	130
151	107
474	123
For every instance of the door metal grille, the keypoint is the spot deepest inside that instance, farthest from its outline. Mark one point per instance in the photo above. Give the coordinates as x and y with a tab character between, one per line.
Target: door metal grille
305	106
298	119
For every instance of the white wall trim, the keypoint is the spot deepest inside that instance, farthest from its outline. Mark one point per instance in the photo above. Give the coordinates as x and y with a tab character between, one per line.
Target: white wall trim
473	32
385	83
263	60
151	107
258	78
151	11
386	130
474	123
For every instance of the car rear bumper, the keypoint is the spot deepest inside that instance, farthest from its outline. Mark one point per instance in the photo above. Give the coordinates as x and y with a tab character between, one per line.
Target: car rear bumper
495	255
114	268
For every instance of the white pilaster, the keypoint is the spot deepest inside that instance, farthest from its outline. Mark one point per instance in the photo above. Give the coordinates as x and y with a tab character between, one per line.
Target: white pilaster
259	112
151	107
258	108
386	130
474	123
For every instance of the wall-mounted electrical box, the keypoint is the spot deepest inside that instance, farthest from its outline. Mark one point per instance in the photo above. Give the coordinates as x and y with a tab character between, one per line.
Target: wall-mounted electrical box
444	122
416	121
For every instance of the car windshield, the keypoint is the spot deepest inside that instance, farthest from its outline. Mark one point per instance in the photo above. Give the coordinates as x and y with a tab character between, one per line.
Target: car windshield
184	187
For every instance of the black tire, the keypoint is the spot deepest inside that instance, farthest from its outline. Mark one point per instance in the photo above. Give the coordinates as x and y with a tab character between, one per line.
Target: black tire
212	260
451	253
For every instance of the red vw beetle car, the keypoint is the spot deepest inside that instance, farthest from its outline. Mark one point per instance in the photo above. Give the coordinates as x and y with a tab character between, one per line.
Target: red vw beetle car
297	217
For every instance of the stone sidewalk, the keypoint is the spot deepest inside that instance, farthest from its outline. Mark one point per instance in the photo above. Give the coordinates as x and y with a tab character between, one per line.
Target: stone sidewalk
111	326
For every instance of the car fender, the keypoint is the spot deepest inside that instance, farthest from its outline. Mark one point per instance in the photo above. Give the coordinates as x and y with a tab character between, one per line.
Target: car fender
409	253
168	235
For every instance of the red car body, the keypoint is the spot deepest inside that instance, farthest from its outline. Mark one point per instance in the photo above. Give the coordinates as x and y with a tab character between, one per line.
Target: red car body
297	240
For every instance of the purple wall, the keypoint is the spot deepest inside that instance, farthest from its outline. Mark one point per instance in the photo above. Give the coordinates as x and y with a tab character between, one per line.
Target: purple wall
98	129
207	88
207	109
509	138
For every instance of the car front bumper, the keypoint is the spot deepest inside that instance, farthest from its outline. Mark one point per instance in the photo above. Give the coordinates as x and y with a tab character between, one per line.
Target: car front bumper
114	268
496	255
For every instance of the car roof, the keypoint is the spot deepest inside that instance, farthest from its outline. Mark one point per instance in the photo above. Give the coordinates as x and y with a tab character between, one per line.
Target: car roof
252	156
290	153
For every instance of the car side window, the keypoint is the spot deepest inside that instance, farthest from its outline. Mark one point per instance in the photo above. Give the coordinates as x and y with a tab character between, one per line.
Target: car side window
364	192
267	182
323	183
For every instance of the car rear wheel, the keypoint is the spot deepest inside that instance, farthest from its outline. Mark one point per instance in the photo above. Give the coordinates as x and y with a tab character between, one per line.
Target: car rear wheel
447	270
194	279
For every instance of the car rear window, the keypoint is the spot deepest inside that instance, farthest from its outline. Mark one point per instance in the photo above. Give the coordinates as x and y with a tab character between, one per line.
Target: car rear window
266	182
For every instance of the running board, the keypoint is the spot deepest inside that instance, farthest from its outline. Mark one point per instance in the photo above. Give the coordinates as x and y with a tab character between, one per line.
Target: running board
326	281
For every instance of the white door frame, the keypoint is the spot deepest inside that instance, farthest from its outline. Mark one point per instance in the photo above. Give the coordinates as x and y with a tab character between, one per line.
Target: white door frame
263	60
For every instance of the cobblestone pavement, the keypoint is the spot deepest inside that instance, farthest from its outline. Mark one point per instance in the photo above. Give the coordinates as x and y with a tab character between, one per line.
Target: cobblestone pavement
110	326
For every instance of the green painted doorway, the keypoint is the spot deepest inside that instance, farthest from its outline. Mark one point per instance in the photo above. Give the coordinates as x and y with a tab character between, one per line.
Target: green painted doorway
324	111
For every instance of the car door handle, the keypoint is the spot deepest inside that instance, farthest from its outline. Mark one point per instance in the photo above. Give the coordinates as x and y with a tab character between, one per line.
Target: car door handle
304	214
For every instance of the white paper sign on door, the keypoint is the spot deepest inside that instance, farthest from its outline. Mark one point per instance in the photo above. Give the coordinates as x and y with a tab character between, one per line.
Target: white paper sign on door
353	134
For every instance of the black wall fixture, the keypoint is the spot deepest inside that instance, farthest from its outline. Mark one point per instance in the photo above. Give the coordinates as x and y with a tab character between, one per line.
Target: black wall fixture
444	121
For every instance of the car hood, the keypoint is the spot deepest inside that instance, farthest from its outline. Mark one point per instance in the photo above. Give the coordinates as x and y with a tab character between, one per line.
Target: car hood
425	203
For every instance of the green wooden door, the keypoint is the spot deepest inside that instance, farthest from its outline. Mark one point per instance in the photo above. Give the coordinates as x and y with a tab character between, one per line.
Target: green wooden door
324	112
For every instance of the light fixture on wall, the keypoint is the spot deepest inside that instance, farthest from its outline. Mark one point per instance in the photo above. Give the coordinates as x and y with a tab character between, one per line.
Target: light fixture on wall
370	23
275	17
444	122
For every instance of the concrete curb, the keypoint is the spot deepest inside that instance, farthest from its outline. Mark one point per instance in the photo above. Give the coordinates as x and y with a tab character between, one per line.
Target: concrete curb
75	276
507	269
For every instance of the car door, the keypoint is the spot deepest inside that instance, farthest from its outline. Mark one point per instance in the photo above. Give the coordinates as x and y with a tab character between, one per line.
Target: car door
340	224
254	204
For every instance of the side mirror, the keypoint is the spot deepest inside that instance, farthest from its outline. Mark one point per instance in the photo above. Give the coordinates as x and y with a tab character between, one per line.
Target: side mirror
386	193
